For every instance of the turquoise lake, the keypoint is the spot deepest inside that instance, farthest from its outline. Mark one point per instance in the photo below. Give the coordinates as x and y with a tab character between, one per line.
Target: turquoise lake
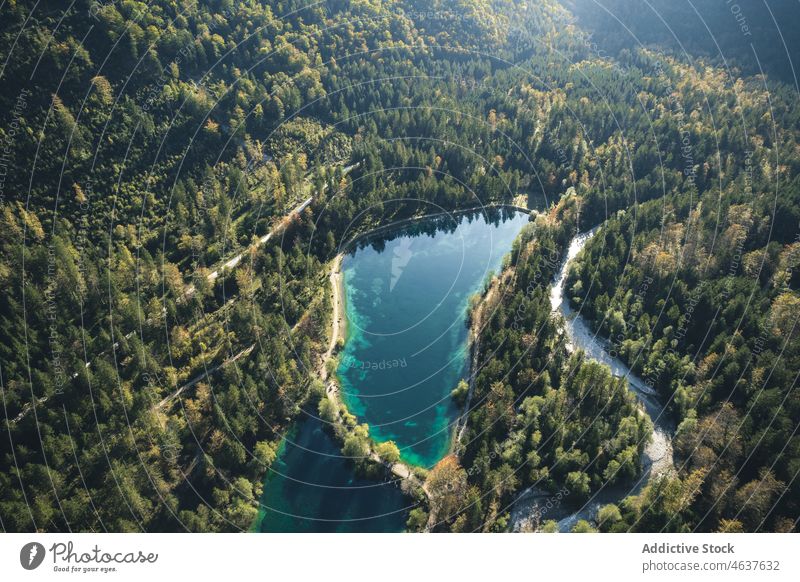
407	300
312	488
407	297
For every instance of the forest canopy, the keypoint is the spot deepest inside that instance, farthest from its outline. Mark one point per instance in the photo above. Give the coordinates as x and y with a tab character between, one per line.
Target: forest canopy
179	175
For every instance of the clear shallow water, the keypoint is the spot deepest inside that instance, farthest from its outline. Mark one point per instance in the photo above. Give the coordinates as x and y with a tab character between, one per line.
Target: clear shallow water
407	298
311	488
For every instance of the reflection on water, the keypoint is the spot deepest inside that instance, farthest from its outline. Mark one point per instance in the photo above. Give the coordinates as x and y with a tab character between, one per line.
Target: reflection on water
312	488
407	300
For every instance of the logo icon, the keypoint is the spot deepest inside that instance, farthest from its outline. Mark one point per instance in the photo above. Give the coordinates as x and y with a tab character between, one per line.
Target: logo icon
31	555
402	255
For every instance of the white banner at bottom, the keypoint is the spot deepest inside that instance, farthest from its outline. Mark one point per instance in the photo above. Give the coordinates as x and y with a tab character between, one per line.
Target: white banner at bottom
399	557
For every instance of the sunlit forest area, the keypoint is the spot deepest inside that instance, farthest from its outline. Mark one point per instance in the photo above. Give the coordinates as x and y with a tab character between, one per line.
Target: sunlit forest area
178	175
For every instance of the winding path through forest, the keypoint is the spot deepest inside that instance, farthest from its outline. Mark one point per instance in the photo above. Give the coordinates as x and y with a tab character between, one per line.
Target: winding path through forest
658	455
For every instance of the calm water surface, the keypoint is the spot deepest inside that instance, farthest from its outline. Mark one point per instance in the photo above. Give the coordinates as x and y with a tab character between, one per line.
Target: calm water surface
311	488
407	299
407	295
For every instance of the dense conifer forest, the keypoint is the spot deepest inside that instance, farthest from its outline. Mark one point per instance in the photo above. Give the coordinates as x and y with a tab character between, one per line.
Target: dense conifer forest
179	175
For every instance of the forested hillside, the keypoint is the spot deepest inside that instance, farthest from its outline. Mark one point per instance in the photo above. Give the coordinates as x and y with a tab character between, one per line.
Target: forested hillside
753	37
180	173
691	280
145	387
699	297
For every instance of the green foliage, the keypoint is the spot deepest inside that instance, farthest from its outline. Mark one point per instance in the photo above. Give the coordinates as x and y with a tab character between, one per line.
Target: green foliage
328	410
388	452
607	516
459	393
583	526
168	140
709	325
417	520
549	526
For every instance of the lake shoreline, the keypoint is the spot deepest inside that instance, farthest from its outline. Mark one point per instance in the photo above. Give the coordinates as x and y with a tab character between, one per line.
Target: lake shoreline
398	469
413	474
411	220
473	346
476	322
340	420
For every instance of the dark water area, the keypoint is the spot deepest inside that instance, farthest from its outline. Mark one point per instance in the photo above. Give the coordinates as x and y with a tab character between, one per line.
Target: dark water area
311	488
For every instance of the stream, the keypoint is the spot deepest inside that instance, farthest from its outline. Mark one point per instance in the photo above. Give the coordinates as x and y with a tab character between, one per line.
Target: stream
657	457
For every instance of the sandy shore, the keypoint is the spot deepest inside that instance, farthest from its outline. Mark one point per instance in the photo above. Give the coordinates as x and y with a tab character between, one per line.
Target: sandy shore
337	302
339	330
